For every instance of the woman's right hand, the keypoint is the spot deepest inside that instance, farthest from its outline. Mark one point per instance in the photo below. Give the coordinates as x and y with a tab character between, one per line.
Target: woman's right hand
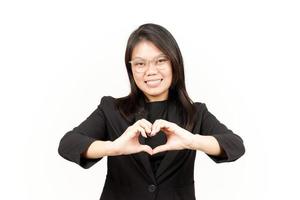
128	142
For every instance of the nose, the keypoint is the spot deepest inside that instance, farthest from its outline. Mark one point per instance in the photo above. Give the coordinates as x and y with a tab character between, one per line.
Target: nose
151	68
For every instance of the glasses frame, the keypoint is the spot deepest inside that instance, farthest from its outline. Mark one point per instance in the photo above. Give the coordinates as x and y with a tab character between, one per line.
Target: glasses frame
147	62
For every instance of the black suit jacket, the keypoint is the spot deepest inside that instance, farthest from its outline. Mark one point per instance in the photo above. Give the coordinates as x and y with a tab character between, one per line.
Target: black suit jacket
131	176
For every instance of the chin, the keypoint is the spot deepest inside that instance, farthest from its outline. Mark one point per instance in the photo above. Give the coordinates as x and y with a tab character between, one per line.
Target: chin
155	93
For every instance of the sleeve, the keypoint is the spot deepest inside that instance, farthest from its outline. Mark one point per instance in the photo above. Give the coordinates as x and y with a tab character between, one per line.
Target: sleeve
77	141
231	143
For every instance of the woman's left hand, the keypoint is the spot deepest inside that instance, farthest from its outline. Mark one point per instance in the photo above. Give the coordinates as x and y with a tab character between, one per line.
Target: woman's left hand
177	138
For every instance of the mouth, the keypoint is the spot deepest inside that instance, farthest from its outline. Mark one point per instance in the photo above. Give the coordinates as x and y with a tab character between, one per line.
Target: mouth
153	83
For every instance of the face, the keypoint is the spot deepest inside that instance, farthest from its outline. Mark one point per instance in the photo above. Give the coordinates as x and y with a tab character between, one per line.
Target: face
152	71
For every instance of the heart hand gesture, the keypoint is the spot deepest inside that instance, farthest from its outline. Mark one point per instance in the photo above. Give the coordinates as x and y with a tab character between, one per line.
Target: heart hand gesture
128	143
177	137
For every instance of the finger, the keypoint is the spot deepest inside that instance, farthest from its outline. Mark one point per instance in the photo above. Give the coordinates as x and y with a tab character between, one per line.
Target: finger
154	127
146	125
142	131
147	149
136	130
160	148
141	123
159	124
168	126
164	123
149	124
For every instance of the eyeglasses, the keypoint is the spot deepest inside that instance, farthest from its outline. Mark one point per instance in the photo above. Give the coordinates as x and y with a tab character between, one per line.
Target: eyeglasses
141	65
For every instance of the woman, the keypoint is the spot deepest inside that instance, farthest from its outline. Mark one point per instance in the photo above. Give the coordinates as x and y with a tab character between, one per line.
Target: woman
150	136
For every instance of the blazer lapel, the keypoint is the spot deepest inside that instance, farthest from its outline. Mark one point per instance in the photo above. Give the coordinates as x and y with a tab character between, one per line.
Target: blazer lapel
173	116
118	126
143	157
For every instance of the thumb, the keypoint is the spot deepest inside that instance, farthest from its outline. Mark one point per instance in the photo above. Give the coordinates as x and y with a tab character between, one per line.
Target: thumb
160	148
147	149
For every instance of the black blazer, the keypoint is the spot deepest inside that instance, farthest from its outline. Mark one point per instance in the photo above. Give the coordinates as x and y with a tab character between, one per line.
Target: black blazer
131	177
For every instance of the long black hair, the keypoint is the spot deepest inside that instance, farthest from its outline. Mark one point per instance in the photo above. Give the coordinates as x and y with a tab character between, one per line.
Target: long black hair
135	101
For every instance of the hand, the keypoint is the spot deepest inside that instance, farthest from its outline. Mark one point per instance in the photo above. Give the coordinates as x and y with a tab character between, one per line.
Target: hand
177	137
128	142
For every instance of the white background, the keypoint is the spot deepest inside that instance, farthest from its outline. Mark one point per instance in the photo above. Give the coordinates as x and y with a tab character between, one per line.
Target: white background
58	58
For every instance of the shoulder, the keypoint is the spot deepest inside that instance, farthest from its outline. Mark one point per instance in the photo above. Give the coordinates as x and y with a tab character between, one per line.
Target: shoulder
112	108
107	106
109	102
200	107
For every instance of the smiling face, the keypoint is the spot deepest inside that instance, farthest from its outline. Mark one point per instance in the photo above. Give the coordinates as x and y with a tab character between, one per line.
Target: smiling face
156	77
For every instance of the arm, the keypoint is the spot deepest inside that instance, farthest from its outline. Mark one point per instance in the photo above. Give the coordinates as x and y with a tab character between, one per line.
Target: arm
207	144
99	149
216	140
74	145
127	143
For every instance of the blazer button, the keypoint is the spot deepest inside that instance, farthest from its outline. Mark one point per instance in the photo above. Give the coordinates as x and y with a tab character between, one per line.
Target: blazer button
151	188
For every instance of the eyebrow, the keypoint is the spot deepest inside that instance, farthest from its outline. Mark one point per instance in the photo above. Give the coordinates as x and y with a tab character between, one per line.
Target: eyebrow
145	59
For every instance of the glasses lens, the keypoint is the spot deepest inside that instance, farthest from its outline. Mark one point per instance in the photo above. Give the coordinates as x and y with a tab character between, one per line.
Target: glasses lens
141	65
161	60
138	65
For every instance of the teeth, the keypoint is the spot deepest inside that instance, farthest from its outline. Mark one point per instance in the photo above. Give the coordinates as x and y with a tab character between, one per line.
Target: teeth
153	83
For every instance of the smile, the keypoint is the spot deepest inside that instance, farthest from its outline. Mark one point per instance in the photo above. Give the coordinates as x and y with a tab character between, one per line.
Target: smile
153	83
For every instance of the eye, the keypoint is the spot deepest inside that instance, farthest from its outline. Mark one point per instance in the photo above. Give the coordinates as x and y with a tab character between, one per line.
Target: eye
162	60
139	64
